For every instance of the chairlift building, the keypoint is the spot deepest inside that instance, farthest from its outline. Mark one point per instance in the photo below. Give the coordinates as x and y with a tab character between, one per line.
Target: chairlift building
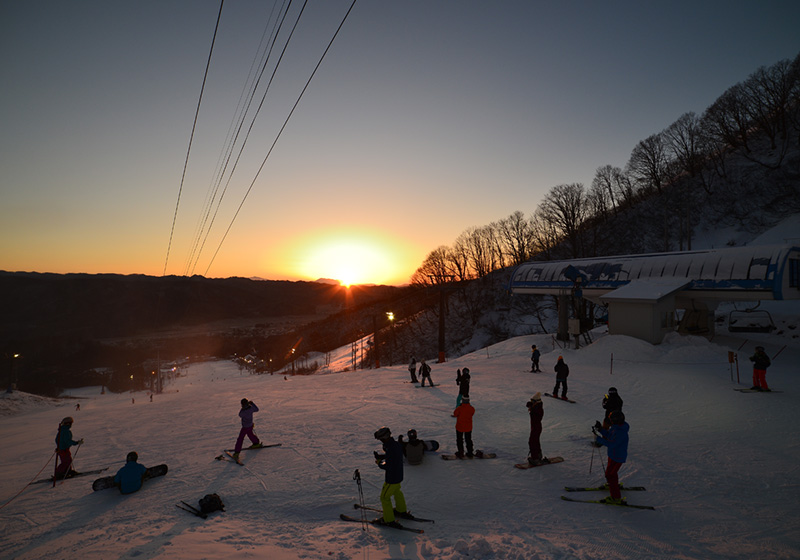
643	292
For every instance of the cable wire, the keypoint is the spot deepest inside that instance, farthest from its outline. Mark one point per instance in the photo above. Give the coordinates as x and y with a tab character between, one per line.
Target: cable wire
191	137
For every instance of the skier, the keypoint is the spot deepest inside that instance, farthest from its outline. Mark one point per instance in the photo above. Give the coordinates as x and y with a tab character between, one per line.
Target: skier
562	371
462	380
425	372
129	478
611	402
616	439
63	442
412	369
246	414
464	413
535	359
414	449
760	364
392	463
536	410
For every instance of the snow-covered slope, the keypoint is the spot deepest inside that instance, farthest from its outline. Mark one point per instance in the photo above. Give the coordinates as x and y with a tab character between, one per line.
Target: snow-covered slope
720	466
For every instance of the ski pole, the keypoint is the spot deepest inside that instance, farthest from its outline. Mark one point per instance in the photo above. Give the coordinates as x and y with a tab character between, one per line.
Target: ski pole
357	478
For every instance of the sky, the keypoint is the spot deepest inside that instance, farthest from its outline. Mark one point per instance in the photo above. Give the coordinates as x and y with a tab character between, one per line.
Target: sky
720	466
475	107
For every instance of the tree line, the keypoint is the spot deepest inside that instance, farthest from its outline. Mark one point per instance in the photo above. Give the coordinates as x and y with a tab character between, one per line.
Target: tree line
749	134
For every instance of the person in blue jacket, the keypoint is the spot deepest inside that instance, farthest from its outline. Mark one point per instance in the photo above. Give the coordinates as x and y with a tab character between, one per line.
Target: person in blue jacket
129	478
63	442
615	439
392	463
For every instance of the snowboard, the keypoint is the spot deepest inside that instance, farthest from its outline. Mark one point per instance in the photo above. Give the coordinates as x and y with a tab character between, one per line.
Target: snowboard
558	398
108	481
432	444
478	455
550	461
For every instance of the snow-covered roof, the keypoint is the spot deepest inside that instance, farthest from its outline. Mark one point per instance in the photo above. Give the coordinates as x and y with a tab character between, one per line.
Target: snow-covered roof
755	268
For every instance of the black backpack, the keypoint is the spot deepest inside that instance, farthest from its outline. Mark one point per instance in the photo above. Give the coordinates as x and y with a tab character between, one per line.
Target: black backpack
211	502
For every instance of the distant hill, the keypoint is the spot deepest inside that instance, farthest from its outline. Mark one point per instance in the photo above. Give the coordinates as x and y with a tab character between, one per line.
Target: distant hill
111	305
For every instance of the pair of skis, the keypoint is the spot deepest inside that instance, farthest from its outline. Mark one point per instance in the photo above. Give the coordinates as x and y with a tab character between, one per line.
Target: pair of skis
398	526
77	475
604	488
228	453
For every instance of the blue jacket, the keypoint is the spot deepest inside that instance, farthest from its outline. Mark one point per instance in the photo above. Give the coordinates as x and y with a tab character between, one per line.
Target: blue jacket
246	414
64	438
130	477
616	439
392	461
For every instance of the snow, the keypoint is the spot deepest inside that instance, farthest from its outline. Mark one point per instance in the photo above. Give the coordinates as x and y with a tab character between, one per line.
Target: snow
720	466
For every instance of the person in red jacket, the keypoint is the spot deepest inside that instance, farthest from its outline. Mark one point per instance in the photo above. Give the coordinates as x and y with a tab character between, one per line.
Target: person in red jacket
464	413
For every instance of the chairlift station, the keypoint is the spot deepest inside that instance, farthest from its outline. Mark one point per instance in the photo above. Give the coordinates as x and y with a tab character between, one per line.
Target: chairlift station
643	292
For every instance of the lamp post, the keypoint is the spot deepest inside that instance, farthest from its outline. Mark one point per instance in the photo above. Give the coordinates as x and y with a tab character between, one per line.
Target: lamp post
390	316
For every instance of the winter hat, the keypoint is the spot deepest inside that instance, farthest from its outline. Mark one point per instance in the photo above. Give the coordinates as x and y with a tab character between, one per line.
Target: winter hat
617	417
67	420
465	371
412	434
245	402
537	397
612	390
561	358
132	456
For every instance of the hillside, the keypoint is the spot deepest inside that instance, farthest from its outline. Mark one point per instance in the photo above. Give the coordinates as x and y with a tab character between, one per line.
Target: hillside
719	465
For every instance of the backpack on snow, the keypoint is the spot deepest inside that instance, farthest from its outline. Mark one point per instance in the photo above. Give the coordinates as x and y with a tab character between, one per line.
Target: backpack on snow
211	502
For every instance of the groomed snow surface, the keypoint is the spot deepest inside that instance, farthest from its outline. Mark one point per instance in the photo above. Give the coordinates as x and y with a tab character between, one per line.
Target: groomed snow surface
722	467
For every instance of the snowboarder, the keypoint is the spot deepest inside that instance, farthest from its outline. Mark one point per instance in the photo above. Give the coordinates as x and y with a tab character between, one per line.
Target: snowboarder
562	371
611	402
412	369
760	364
464	413
129	478
425	372
414	449
536	410
392	463
616	439
462	380
535	354
63	442
246	414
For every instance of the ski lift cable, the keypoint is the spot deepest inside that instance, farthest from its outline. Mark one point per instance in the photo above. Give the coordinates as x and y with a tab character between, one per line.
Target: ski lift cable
191	137
248	92
250	128
277	137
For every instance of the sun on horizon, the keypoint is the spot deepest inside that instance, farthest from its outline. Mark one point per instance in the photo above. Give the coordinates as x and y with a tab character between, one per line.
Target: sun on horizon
349	257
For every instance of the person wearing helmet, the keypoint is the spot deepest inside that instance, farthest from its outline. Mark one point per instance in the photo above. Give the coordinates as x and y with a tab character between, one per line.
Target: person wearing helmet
760	364
462	380
391	461
414	449
536	411
535	354
562	371
463	414
129	478
246	415
63	442
611	402
425	373
615	439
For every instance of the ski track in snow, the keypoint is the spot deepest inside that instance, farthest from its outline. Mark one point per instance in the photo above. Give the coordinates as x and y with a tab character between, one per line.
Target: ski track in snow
721	467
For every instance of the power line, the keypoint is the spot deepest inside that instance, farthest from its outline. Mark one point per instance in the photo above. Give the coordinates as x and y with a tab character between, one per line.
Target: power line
191	137
277	137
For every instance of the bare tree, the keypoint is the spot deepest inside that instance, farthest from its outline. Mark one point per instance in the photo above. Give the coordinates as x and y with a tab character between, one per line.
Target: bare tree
649	163
516	233
565	208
